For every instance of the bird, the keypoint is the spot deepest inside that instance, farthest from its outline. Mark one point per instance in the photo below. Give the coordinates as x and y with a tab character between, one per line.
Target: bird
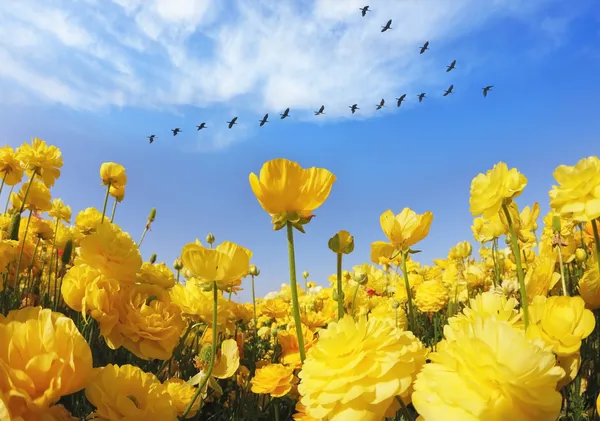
380	105
387	26
151	137
487	89
451	67
364	10
402	97
264	120
449	91
285	114
353	108
321	110
176	130
232	122
201	126
425	47
421	96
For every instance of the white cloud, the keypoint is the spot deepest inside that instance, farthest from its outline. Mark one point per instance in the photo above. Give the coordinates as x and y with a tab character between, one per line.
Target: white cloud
259	56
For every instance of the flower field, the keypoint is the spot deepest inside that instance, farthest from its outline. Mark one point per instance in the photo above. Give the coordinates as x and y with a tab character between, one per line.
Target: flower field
507	331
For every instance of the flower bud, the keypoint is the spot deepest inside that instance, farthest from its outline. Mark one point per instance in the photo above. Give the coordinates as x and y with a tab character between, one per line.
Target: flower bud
153	258
253	270
395	304
360	278
341	243
556	223
205	354
13	228
152	215
67	252
210	238
178	264
346	274
581	254
207	287
305	274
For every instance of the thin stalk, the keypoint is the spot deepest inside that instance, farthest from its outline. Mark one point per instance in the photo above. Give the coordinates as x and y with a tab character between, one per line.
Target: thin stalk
24	240
294	286
562	271
340	292
105	202
276	409
214	351
143	235
8	198
597	241
27	192
520	275
114	209
354	297
411	316
3	181
254	308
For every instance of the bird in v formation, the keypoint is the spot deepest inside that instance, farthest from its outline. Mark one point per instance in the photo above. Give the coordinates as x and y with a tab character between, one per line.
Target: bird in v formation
354	107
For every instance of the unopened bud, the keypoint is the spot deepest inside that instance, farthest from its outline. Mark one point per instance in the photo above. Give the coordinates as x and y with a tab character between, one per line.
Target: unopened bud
206	352
153	258
305	274
67	252
345	274
210	238
152	215
581	254
274	331
13	228
395	304
556	223
360	278
253	270
335	295
207	287
178	264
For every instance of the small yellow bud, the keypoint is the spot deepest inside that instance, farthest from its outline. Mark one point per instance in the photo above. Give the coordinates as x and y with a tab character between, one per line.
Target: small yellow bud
253	270
178	264
581	254
341	243
152	215
360	278
305	274
153	258
395	304
210	238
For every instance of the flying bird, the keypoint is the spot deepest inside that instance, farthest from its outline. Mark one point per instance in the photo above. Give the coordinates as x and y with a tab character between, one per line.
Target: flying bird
487	89
425	47
449	91
451	67
421	96
176	130
364	10
353	108
401	99
151	137
387	26
201	126
321	110
232	122
285	114
264	120
380	105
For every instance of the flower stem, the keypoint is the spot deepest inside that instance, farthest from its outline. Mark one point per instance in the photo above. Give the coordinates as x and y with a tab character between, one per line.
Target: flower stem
562	271
142	239
254	307
3	181
105	202
8	199
354	297
27	192
276	409
114	209
596	240
24	240
213	353
517	253
294	286
340	292
411	310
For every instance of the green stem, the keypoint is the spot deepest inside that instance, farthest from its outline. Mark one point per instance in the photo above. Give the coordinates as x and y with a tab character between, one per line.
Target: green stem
27	192
24	240
114	209
404	409
495	260
354	297
517	253
411	310
3	181
254	307
562	271
105	202
142	239
276	409
340	292
294	286
214	351
8	199
597	241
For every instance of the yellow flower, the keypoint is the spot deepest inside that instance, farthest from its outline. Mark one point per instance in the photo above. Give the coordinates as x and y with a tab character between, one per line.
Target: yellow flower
290	351
431	296
571	365
38	229
44	160
150	325
300	414
112	252
74	285
384	310
487	304
560	321
541	277
342	243
275	309
198	304
37	200
42	358
87	220
118	192
356	369
461	251
485	230
181	394
11	171
273	379
113	174
60	210
8	250
127	393
226	264
490	190
475	275
577	195
589	284
477	377
228	361
156	274
405	229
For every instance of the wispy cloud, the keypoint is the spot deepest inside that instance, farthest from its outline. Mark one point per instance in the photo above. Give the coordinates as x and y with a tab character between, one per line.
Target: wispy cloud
254	56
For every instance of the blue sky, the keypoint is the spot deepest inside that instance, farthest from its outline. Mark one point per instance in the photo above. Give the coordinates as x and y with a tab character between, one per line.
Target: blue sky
95	77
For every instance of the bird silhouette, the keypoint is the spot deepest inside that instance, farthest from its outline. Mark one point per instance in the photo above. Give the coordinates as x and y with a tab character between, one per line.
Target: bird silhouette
353	108
387	26
451	67
424	48
232	122
151	137
321	110
285	114
421	96
176	130
264	120
449	90
487	89
201	126
402	97
380	105
364	10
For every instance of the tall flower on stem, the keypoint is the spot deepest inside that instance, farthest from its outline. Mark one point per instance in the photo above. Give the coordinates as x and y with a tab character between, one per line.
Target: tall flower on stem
113	176
10	167
290	193
491	195
254	272
341	243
